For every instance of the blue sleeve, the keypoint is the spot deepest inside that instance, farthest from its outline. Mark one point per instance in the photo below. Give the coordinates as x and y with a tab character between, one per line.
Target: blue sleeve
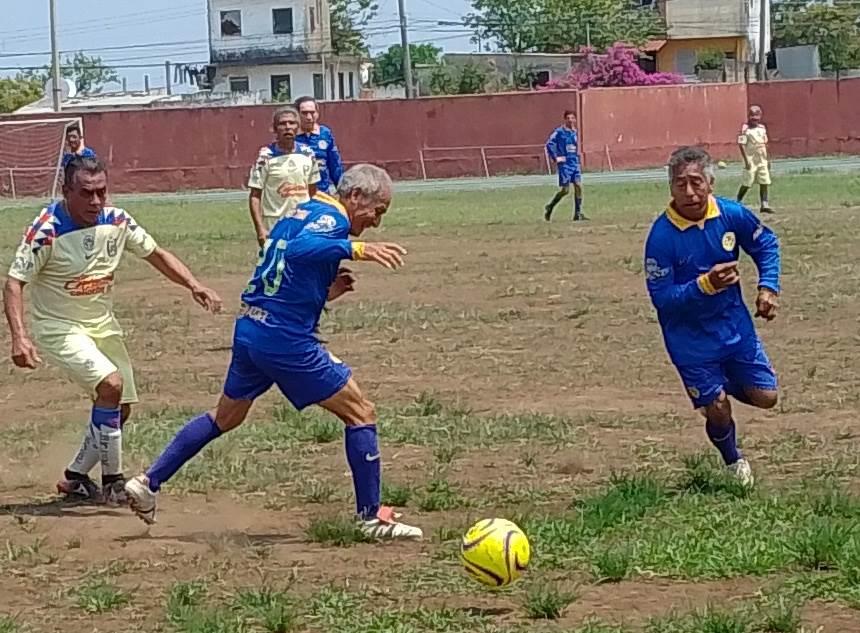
660	278
760	243
322	240
333	161
552	145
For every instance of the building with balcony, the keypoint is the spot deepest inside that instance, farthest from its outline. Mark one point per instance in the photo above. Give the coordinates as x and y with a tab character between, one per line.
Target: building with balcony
281	49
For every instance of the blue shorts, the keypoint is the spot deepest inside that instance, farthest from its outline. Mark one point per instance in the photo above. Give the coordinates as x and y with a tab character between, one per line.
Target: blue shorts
749	368
304	378
568	174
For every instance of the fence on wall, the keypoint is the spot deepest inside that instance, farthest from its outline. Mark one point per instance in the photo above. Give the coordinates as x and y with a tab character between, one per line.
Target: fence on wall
164	150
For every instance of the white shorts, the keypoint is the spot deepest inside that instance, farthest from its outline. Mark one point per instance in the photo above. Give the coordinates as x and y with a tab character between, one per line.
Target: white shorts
88	360
756	175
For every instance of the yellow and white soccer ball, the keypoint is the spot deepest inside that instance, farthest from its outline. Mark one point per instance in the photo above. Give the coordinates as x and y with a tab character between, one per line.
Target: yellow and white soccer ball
495	552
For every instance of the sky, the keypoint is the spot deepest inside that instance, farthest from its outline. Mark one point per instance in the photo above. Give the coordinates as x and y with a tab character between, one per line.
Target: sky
137	37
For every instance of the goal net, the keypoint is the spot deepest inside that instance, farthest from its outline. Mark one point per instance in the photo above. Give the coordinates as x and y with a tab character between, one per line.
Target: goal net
31	157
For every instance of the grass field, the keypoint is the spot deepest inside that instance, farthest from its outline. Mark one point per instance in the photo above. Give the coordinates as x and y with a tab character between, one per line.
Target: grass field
520	373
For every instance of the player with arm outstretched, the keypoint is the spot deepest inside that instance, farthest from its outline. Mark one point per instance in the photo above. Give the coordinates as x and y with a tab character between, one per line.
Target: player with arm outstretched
563	148
691	267
274	342
68	259
285	175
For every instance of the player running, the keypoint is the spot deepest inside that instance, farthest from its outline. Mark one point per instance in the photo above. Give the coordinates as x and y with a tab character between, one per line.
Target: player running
563	148
284	175
274	342
69	257
691	266
321	140
75	142
753	145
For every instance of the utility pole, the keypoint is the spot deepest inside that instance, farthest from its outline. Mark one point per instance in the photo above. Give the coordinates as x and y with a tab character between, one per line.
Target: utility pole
407	58
762	32
168	80
55	58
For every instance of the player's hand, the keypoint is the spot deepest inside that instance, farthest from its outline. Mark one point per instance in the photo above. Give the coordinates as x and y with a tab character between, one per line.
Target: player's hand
207	298
724	275
747	165
766	304
24	353
343	283
262	236
387	254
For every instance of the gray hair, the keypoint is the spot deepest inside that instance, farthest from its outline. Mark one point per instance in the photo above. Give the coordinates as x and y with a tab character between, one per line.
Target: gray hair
684	156
282	111
368	179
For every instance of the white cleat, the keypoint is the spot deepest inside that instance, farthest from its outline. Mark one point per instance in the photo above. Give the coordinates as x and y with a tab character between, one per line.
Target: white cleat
141	499
386	526
741	471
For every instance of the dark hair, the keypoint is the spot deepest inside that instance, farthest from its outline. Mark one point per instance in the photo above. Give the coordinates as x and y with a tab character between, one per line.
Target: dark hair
686	155
302	100
567	113
82	164
73	127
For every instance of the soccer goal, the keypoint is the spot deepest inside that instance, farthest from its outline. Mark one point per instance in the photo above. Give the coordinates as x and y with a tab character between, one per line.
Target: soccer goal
31	156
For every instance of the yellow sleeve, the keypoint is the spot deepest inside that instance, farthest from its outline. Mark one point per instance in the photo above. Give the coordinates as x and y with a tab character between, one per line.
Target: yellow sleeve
260	170
29	259
138	241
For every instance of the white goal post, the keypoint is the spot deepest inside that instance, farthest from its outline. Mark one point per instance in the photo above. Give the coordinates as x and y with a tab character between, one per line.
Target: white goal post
31	156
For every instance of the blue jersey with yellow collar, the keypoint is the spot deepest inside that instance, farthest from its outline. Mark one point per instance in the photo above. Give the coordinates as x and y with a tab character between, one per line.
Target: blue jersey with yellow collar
563	143
700	325
285	297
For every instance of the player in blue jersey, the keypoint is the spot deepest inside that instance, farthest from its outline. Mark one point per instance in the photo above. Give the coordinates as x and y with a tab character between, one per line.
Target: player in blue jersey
75	143
321	140
274	342
691	267
563	148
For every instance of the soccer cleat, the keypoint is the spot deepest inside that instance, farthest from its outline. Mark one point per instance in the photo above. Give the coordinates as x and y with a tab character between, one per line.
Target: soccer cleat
141	499
741	471
113	493
386	526
766	208
547	213
79	488
579	217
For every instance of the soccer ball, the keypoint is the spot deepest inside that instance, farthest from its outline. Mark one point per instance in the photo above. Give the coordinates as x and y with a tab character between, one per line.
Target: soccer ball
721	164
494	552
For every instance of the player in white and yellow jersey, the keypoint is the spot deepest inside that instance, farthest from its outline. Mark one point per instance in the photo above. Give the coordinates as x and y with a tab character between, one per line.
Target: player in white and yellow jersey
68	257
753	145
284	175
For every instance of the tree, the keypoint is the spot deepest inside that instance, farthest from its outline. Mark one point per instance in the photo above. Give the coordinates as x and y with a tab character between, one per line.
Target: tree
550	26
348	18
616	68
18	91
388	66
468	79
835	28
89	74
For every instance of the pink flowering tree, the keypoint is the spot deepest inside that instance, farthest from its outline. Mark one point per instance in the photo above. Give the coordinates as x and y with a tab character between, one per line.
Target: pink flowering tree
616	68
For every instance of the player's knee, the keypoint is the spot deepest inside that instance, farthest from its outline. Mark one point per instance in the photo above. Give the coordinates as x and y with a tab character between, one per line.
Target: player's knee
720	410
361	411
764	399
109	390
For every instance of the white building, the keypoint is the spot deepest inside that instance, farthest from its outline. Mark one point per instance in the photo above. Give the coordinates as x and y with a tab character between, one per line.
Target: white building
281	49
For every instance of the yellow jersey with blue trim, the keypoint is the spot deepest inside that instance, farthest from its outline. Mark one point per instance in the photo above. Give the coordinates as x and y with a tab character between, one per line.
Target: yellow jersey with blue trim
701	323
71	269
283	178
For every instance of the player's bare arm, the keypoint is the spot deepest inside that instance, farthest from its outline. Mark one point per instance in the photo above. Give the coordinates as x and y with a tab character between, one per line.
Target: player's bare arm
172	267
343	283
24	353
255	206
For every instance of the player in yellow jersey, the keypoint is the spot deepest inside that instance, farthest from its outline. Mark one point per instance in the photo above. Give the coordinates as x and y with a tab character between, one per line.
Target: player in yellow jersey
285	175
753	145
68	257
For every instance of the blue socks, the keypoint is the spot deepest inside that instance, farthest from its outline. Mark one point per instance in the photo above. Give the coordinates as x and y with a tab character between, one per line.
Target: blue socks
723	438
362	453
190	440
